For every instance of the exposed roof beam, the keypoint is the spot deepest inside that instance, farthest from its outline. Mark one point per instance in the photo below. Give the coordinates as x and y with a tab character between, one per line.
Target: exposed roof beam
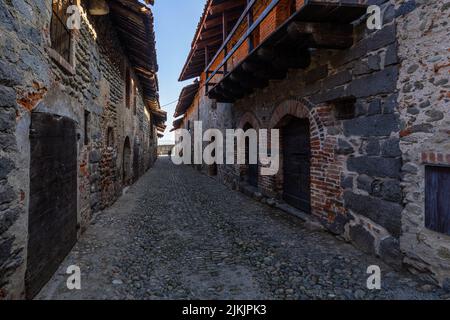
227	5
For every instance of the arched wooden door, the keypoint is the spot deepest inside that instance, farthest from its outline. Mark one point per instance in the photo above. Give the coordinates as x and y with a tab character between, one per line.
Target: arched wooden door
297	164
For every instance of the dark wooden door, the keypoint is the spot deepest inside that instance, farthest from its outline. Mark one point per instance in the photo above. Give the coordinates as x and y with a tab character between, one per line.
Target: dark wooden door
52	222
437	199
252	169
296	164
252	175
126	162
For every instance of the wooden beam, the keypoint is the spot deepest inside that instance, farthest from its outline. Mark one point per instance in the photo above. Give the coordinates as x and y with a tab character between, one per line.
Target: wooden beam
210	42
227	5
125	11
214	22
292	58
248	81
210	33
322	35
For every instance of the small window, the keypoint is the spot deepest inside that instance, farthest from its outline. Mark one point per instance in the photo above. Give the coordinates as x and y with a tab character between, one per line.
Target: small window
437	200
59	33
87	118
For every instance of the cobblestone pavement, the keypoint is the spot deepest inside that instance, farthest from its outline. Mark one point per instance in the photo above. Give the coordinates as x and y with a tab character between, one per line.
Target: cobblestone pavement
177	234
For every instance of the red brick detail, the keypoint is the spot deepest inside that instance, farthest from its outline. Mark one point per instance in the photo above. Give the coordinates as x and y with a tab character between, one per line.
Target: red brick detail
275	18
299	4
249	117
326	166
431	157
29	100
298	109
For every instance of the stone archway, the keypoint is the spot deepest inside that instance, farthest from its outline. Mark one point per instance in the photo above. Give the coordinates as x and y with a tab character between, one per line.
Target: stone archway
302	110
249	118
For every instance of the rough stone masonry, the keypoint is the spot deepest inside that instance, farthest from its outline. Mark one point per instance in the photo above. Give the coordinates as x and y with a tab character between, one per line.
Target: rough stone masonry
115	138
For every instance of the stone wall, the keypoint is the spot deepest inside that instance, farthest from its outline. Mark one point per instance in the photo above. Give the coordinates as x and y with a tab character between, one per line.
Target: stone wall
424	106
356	160
34	79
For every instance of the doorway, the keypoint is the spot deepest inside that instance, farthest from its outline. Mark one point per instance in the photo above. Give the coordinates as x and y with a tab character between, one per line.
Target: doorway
52	220
297	164
251	169
126	161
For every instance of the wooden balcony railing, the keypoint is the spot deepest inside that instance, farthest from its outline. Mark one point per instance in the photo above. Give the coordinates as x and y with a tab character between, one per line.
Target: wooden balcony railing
246	34
272	36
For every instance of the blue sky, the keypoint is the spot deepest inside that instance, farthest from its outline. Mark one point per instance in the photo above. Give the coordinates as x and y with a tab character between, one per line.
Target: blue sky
175	25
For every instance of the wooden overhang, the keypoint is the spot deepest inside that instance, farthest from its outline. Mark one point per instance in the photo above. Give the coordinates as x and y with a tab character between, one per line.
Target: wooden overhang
219	16
161	128
177	124
318	24
133	21
186	99
159	117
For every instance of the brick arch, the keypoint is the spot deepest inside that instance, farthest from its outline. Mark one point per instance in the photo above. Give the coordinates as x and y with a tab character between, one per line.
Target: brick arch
326	167
249	117
303	109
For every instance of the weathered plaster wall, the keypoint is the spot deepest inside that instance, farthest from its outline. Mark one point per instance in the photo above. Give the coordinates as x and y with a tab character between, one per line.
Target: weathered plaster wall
424	105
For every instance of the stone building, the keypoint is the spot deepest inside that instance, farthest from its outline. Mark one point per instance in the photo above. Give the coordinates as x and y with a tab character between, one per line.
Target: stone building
79	120
363	115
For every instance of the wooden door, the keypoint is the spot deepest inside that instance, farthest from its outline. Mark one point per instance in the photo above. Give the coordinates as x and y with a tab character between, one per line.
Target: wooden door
437	199
52	221
252	170
296	164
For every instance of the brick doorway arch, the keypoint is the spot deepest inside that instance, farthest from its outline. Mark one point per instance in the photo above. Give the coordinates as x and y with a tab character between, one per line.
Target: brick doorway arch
326	166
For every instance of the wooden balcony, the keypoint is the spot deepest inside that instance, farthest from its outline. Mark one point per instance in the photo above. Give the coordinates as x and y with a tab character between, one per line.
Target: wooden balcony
273	36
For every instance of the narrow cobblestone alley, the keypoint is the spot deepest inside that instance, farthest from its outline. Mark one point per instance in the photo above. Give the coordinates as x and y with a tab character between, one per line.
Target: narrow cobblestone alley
177	234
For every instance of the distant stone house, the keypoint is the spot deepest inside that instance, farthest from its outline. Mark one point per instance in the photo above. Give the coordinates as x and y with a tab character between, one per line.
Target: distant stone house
363	115
79	120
